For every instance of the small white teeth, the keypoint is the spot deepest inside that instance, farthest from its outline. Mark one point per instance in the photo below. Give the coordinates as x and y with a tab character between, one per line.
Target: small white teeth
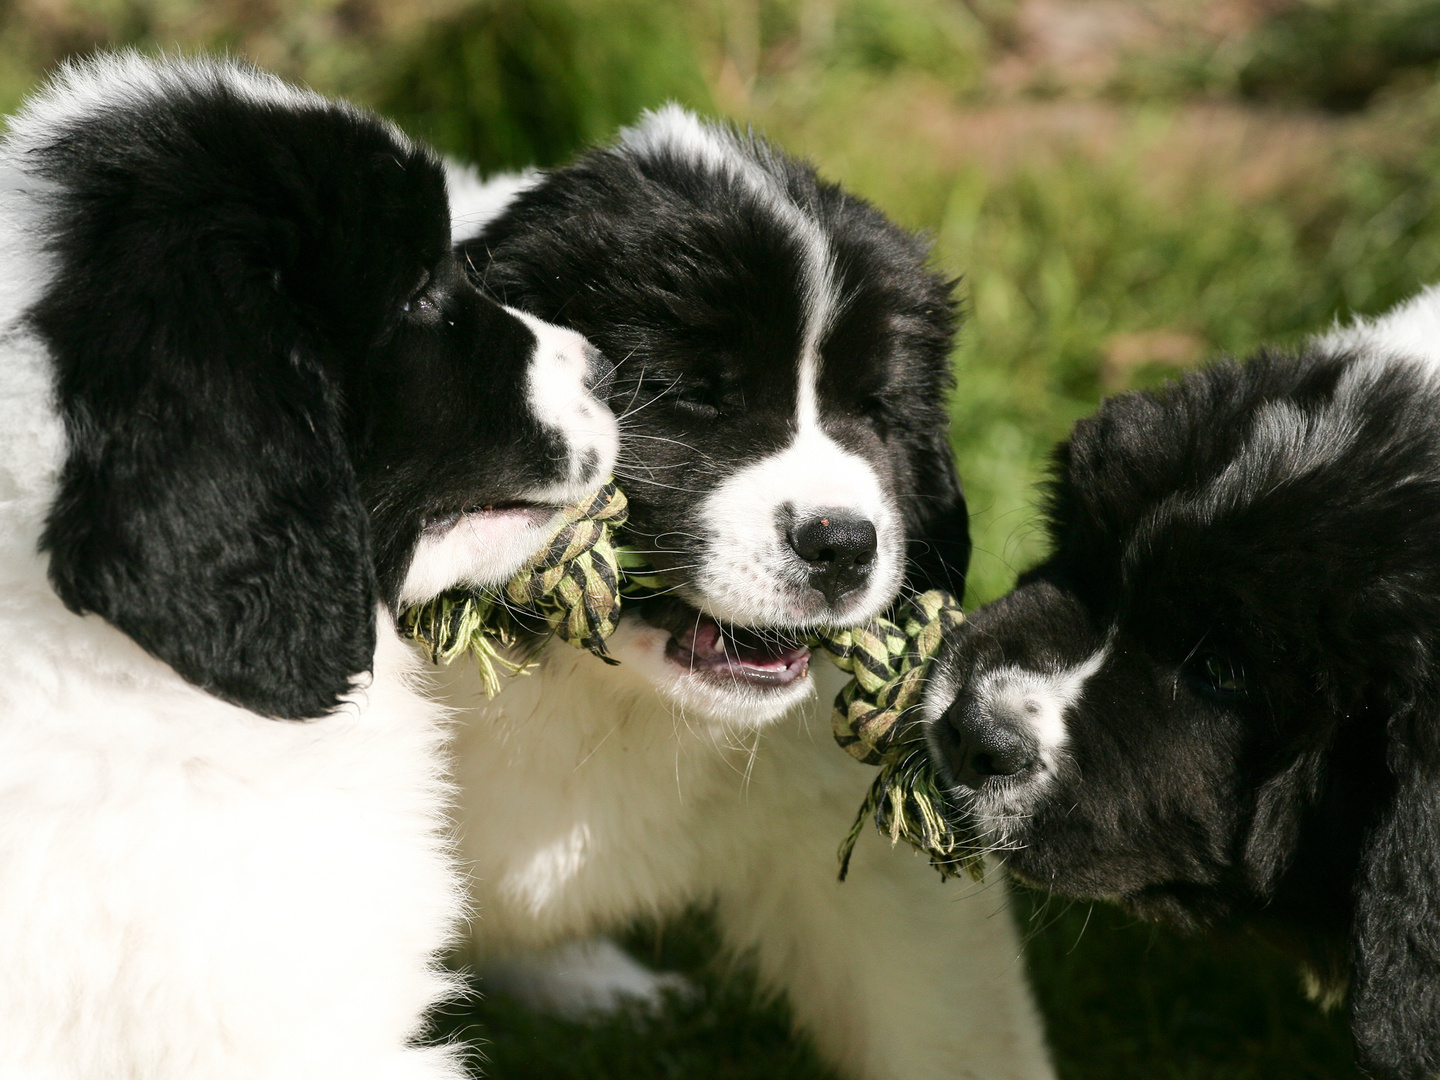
720	644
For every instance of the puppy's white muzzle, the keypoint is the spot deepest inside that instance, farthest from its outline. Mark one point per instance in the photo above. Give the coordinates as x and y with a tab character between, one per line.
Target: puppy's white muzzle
805	537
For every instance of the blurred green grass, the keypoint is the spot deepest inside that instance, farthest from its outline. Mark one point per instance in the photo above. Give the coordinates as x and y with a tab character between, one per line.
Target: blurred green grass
1122	189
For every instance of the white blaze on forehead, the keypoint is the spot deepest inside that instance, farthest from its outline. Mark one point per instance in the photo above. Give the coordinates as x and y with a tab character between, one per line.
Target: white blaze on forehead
750	573
675	131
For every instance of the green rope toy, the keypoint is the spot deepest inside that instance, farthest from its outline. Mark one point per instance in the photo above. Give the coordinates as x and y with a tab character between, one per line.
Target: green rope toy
569	588
573	589
873	723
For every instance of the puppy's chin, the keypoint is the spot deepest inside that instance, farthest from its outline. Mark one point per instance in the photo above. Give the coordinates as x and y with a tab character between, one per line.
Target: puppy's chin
737	687
481	549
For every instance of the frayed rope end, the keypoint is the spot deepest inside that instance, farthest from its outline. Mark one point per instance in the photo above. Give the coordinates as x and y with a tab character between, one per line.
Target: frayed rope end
570	589
874	722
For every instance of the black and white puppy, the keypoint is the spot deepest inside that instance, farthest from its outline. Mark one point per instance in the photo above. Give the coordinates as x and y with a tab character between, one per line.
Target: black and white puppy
249	402
782	366
1218	700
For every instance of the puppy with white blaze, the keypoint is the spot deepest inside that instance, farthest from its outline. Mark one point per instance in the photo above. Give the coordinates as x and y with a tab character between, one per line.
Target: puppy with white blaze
782	367
1218	701
248	403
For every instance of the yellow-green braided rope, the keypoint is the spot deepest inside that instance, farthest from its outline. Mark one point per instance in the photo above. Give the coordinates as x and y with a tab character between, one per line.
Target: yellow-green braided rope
573	589
874	722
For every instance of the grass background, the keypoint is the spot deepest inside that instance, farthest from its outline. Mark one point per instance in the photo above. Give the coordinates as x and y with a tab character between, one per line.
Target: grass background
1124	187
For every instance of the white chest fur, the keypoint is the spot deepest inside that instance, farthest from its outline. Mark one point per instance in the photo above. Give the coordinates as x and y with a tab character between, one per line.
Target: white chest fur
587	801
191	890
188	889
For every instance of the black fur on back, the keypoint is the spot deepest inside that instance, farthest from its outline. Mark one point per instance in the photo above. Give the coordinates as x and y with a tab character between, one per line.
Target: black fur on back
1277	521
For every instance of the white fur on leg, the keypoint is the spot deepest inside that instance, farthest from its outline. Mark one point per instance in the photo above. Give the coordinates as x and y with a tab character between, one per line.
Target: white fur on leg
892	972
576	979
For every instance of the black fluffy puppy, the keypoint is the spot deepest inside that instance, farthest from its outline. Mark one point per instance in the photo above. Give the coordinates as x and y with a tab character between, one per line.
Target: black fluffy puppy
1219	699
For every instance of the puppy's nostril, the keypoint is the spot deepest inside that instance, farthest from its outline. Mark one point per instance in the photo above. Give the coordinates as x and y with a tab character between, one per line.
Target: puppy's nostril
839	547
976	747
997	763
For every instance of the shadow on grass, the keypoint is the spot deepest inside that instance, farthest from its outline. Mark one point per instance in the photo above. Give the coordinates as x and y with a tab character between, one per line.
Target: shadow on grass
1127	1000
1122	1000
723	1032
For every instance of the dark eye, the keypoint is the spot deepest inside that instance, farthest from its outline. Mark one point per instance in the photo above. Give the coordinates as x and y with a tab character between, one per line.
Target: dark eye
876	412
1220	675
420	298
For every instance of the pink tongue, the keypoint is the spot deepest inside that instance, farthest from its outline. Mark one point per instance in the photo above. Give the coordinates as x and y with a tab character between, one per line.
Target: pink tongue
703	645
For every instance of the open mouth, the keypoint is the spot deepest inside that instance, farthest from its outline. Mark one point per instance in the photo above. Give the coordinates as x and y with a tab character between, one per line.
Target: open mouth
699	645
476	546
526	513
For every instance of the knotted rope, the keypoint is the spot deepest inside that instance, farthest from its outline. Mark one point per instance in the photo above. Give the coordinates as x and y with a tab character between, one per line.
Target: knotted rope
874	723
573	589
570	588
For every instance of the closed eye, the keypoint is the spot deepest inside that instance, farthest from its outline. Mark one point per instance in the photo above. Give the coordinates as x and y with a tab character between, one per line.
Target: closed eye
697	400
875	411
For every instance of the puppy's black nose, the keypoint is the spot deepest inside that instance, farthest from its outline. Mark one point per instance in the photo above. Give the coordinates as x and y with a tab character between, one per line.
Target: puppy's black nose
977	747
840	549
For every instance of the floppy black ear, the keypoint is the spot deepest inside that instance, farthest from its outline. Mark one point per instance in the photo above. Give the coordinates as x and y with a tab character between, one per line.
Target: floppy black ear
208	509
1395	989
207	506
